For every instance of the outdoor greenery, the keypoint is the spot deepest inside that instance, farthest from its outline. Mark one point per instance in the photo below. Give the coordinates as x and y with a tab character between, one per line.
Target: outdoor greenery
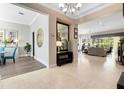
5	42
104	42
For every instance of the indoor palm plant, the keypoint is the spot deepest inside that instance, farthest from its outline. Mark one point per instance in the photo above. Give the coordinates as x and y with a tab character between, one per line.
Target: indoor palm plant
27	48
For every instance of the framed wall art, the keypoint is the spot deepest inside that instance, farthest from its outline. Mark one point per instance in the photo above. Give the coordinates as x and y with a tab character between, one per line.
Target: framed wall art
11	36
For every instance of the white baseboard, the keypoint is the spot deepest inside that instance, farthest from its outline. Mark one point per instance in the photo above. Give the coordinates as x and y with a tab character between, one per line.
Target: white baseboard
35	59
41	62
54	65
75	59
25	55
22	55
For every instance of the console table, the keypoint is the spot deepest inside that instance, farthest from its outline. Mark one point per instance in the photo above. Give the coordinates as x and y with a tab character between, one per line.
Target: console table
64	57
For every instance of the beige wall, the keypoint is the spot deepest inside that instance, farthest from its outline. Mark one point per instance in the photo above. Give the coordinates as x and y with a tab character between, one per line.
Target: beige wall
74	43
53	17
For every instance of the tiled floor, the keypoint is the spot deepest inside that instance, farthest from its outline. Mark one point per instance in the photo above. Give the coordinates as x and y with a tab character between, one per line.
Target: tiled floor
22	65
89	73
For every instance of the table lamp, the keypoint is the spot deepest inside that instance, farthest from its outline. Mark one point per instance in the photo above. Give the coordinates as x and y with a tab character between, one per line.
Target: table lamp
59	44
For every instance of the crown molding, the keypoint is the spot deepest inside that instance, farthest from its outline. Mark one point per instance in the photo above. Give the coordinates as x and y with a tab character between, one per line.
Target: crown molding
101	13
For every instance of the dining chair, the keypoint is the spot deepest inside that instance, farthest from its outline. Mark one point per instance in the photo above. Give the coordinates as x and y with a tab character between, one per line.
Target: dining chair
0	59
1	49
10	55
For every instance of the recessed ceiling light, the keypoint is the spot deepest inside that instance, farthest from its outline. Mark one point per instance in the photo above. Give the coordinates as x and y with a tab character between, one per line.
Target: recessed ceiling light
100	23
21	13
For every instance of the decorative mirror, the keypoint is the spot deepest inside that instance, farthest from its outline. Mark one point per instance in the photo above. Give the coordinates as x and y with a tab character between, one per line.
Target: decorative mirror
39	37
63	36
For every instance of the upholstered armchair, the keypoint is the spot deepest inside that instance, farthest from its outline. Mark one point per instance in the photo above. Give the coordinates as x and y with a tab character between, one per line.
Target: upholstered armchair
1	49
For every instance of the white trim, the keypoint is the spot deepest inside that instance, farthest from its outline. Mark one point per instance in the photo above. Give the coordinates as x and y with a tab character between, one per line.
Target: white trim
87	12
94	9
22	55
51	66
75	60
14	22
41	61
56	10
34	19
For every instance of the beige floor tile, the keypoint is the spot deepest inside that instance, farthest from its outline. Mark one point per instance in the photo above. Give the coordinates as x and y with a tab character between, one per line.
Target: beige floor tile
89	72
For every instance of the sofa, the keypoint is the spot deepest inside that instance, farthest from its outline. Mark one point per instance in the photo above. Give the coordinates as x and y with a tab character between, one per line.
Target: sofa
96	51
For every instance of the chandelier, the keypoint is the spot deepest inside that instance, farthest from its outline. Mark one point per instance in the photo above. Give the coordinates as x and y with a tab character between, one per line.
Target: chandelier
70	7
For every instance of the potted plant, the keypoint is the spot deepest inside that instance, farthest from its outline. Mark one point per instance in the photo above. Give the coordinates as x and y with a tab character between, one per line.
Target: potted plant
27	48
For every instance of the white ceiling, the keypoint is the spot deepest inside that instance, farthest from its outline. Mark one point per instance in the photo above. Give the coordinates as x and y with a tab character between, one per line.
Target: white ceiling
10	13
86	8
115	21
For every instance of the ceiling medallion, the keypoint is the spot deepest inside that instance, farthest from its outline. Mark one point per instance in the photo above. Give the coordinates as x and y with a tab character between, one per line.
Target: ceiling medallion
70	7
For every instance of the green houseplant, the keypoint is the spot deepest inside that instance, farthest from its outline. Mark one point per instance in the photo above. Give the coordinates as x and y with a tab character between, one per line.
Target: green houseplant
27	48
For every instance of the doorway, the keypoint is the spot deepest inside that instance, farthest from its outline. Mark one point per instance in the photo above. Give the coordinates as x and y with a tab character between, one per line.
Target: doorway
33	43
